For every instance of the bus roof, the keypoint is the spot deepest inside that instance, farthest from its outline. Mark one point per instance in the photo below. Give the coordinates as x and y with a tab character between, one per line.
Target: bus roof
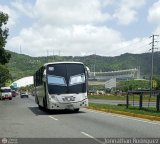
64	62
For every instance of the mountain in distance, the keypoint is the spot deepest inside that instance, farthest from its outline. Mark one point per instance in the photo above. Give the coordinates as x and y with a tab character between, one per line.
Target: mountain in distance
21	65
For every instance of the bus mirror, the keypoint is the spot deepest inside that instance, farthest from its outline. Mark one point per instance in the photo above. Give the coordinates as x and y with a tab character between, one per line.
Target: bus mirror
44	76
87	71
44	73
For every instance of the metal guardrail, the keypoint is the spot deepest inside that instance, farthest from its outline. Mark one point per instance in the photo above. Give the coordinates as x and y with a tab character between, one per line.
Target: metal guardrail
140	93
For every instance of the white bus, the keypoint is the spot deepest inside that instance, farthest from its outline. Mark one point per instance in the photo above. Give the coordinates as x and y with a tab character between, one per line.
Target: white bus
5	93
61	85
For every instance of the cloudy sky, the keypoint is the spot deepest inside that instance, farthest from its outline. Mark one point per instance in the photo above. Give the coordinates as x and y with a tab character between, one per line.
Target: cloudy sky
81	27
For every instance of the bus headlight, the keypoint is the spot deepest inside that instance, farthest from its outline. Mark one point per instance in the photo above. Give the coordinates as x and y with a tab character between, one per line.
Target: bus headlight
52	96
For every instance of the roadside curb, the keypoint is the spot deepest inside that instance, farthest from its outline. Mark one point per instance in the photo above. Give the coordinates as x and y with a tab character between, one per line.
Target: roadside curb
152	118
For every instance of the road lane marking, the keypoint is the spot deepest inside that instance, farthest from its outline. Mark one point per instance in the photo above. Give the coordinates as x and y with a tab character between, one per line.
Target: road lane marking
126	117
53	118
88	135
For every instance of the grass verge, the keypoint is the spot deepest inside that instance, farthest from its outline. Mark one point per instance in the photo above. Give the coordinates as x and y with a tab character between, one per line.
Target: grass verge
146	113
121	97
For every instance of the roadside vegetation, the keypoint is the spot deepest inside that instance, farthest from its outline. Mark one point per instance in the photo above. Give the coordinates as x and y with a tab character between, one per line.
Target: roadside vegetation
122	108
122	87
4	55
121	97
120	93
21	65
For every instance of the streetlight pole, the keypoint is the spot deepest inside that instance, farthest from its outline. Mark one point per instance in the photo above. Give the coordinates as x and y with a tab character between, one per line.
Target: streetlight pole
152	59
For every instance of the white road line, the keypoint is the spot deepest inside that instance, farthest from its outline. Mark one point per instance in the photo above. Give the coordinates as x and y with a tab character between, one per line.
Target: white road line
127	117
53	118
88	135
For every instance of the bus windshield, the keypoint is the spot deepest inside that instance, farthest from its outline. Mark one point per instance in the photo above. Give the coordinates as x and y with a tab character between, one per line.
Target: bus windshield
56	80
5	90
66	78
77	79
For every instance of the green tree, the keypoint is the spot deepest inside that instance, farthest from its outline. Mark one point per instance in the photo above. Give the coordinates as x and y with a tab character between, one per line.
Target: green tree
4	75
157	79
133	85
4	55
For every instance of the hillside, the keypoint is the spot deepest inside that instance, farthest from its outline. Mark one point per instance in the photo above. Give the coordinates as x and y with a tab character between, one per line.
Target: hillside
21	65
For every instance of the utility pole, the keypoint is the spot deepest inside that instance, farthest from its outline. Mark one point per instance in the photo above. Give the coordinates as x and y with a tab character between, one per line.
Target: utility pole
47	55
53	54
152	58
20	49
94	68
59	52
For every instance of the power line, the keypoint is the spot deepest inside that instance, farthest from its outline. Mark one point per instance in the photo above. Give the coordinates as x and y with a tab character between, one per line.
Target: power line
131	46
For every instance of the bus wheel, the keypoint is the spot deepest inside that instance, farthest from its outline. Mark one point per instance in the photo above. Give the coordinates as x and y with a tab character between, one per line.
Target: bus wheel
40	107
45	105
76	110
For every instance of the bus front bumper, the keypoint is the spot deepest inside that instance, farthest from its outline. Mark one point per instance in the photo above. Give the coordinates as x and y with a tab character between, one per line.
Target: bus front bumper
70	105
5	97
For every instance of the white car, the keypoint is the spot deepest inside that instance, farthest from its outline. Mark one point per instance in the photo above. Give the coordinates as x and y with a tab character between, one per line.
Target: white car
24	95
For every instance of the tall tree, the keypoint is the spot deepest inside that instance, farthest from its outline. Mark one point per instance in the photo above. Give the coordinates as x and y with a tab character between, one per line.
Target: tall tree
4	55
4	75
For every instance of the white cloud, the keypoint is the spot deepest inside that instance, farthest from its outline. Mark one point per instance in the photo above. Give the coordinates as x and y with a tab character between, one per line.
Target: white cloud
73	40
24	7
125	16
136	45
154	13
126	13
60	12
133	3
71	27
12	15
157	30
154	16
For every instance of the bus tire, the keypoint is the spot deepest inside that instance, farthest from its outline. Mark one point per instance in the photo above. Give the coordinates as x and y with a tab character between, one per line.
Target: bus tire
45	105
76	110
40	107
36	100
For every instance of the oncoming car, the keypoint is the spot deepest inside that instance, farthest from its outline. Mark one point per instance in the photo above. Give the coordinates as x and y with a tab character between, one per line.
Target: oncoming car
24	95
14	93
6	93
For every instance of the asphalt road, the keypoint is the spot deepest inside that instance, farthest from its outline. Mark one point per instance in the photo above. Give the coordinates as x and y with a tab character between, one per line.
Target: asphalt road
21	118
